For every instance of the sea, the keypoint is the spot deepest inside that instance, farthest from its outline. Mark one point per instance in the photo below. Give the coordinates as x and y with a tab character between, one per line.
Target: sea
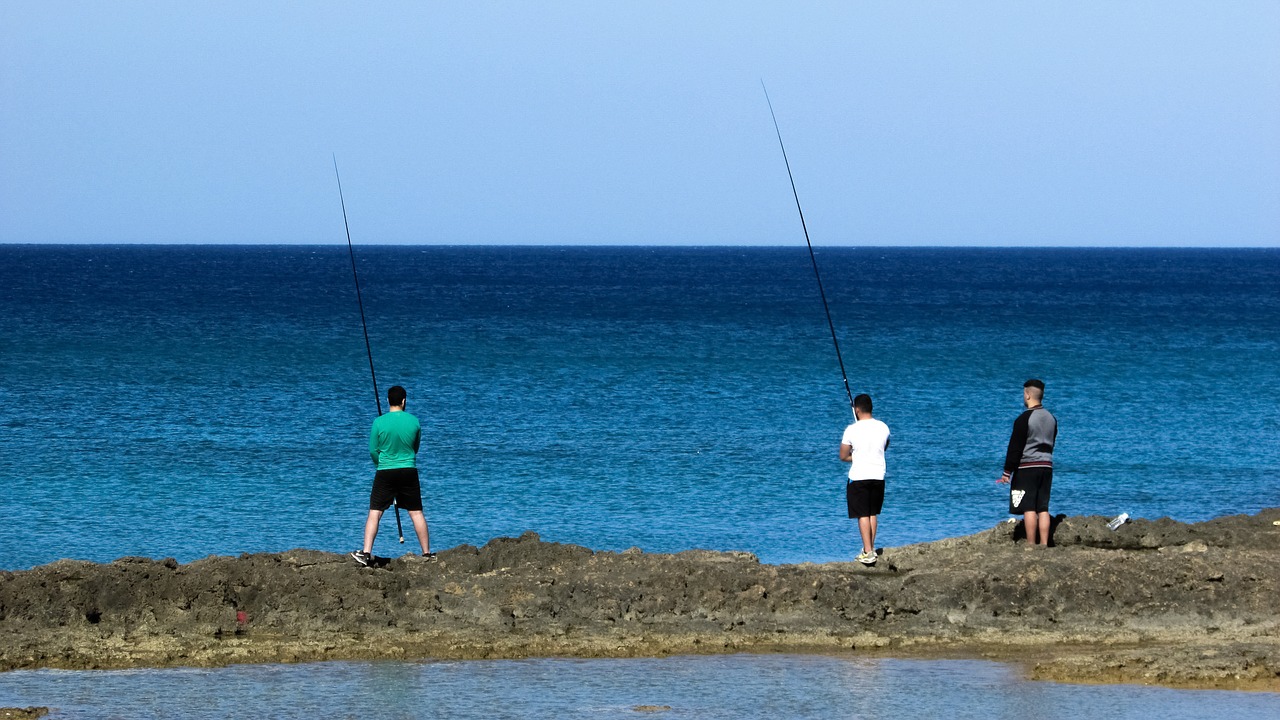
184	401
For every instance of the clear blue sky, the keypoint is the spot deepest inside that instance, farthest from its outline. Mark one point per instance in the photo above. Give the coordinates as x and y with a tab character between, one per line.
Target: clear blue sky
924	123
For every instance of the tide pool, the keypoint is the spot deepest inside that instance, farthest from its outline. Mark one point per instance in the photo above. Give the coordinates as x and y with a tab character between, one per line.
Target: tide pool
708	688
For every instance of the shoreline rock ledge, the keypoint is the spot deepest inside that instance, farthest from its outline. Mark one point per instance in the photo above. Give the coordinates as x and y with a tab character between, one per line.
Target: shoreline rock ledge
1156	601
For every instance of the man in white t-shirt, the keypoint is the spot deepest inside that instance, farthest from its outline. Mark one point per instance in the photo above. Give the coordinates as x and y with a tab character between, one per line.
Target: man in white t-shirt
863	447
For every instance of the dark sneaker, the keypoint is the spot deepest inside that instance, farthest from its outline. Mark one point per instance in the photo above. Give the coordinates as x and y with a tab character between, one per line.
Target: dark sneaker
428	556
364	558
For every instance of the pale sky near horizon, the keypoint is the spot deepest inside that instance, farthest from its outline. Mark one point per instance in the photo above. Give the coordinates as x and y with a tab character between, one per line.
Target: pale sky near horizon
1097	123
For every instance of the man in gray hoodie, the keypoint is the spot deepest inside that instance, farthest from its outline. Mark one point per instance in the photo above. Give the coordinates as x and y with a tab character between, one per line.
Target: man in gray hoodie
1028	464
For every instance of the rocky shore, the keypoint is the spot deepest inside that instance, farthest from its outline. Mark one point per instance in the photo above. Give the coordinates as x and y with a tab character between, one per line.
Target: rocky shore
1192	605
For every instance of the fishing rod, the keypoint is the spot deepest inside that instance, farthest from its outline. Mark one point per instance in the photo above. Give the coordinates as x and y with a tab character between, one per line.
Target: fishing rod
812	258
360	301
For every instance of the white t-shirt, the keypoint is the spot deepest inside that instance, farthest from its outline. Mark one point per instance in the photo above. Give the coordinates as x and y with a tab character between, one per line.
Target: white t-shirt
868	438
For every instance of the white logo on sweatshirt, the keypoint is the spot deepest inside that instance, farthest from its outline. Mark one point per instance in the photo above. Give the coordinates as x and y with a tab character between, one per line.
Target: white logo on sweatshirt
1017	496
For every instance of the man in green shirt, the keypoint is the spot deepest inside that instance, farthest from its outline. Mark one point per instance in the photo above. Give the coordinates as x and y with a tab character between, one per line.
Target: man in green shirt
393	445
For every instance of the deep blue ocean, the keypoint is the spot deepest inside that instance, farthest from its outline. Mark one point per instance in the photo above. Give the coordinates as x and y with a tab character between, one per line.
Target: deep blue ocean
192	400
178	401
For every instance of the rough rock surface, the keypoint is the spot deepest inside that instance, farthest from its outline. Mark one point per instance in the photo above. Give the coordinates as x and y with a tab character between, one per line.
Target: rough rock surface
1154	602
27	713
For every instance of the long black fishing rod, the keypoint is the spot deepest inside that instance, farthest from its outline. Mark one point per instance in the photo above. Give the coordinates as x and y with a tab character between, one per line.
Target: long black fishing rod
813	258
365	326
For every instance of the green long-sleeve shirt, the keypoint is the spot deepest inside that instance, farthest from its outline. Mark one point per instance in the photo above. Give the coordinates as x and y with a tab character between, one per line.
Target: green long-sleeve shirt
394	440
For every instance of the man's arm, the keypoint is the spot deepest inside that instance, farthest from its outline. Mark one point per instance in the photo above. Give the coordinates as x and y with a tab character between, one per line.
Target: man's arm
846	452
373	445
1017	442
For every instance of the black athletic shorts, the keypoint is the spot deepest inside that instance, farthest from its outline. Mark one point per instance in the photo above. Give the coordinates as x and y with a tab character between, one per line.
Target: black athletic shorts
1029	490
400	484
864	497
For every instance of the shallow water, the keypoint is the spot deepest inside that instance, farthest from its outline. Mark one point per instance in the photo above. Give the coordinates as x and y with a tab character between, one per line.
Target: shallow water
735	686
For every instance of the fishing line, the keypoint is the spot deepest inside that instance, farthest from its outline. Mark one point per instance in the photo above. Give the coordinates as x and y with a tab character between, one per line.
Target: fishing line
365	326
812	258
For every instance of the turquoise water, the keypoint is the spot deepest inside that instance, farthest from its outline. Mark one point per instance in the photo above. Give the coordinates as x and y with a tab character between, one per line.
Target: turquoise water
707	688
185	401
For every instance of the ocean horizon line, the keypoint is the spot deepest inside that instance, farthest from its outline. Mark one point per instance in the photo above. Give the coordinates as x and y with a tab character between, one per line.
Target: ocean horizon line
618	246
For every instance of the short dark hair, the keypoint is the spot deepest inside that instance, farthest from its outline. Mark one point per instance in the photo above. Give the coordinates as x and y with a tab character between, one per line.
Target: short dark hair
395	395
863	403
1037	384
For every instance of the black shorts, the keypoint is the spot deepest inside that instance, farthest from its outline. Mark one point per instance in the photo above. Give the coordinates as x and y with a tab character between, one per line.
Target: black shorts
1029	490
864	497
400	484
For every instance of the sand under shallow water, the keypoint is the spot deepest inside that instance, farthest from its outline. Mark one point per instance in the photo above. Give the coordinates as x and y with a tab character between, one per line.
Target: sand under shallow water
1193	605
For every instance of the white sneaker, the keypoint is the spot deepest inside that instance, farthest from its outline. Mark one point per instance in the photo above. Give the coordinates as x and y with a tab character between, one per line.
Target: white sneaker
866	558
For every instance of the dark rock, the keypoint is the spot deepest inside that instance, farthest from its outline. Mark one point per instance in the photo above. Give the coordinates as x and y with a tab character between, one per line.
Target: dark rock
27	713
1148	585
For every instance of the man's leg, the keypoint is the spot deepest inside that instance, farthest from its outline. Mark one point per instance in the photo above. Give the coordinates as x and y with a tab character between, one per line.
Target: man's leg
1037	526
867	528
1031	523
371	529
1044	527
420	528
875	523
